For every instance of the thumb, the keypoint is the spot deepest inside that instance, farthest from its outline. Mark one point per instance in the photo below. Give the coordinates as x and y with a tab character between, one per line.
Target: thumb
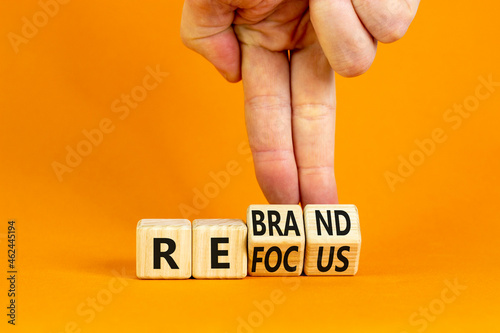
206	28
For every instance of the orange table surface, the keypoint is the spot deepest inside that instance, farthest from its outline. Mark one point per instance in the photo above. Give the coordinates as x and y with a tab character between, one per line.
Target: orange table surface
429	257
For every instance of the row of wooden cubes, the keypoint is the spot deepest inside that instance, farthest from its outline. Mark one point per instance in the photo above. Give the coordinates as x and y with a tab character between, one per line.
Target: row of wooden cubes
277	240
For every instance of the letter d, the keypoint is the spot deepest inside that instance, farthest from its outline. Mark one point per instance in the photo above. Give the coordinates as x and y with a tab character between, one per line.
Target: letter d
73	159
405	169
427	146
243	326
51	7
222	178
95	136
28	30
200	201
266	307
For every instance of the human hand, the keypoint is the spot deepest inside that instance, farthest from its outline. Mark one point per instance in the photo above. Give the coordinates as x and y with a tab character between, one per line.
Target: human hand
290	97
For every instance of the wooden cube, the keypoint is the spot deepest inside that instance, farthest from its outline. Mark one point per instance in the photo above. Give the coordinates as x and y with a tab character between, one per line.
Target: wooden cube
219	249
276	240
333	239
163	249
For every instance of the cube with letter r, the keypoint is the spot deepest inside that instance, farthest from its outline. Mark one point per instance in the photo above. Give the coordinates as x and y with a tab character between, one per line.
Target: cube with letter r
333	239
163	249
276	240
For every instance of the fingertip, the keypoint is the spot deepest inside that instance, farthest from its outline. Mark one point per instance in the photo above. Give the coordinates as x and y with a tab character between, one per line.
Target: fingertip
387	20
235	78
318	189
280	186
277	175
354	64
232	76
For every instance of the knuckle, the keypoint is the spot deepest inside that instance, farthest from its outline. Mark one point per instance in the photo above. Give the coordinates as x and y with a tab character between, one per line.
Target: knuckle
398	20
267	103
356	58
267	153
316	170
313	111
354	66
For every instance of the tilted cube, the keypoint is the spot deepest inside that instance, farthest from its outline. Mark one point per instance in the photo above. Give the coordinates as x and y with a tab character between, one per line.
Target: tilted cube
163	249
333	239
276	240
219	249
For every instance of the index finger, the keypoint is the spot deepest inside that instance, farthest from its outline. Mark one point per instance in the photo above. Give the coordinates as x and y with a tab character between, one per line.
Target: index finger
266	82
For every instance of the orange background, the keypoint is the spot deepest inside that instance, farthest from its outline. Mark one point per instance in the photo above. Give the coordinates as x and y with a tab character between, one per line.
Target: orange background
440	225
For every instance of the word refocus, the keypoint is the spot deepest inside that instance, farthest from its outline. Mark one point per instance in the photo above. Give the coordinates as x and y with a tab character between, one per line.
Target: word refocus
277	240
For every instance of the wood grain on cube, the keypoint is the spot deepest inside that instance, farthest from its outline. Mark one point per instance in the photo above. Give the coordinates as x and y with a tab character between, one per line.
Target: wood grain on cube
276	240
163	249
219	249
333	239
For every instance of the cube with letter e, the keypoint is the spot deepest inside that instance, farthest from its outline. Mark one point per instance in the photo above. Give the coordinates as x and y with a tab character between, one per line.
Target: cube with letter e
276	240
333	239
219	249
